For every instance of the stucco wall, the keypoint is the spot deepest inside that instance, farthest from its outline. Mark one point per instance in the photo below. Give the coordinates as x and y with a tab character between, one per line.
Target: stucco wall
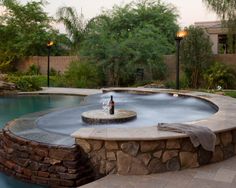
61	63
58	63
228	59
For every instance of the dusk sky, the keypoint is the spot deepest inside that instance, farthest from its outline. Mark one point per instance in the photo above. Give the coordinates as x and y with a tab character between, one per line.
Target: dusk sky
190	11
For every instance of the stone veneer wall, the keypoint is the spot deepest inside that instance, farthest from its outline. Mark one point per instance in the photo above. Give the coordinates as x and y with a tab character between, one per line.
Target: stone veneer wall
146	157
34	162
58	166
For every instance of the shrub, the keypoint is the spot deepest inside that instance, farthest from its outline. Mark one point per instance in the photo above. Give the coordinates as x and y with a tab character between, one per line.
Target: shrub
26	83
57	81
33	70
82	75
183	82
219	75
53	72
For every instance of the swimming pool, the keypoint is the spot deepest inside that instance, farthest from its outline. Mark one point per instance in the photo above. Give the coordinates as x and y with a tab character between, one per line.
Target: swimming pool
12	107
15	106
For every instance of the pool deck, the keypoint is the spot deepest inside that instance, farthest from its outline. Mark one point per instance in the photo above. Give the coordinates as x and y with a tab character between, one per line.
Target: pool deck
66	91
217	175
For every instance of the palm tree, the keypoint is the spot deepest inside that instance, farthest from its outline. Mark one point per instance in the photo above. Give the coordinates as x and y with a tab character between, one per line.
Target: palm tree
74	26
225	9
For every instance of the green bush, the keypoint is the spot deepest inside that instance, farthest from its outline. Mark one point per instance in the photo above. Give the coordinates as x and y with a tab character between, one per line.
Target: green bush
57	81
170	84
33	70
219	75
27	83
82	75
183	83
53	72
35	82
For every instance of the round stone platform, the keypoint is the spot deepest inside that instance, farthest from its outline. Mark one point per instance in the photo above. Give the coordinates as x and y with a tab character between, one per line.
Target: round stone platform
101	117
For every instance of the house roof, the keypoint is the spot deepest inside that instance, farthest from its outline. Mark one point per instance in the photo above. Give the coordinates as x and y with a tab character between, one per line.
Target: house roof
212	27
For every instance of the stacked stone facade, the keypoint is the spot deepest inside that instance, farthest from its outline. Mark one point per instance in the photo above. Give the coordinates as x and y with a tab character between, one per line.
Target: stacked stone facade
58	166
147	157
54	166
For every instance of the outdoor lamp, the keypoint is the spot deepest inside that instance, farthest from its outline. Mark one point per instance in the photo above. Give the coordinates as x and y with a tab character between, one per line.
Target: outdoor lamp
49	45
179	36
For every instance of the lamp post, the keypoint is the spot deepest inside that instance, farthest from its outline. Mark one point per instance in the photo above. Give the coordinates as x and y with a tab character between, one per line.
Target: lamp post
49	45
179	36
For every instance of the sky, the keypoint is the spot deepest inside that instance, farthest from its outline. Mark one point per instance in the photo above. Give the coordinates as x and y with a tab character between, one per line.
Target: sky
190	11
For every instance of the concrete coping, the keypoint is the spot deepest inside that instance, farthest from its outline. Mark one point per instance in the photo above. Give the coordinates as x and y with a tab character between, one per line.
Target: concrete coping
223	120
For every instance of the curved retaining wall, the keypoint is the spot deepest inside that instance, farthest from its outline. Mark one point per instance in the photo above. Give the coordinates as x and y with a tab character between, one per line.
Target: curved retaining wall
146	157
34	162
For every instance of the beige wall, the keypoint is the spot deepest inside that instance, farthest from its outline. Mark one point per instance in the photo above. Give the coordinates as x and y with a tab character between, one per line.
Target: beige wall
171	66
228	59
60	63
214	40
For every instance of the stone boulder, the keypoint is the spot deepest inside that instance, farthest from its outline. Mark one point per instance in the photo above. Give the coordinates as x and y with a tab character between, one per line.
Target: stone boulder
6	87
3	76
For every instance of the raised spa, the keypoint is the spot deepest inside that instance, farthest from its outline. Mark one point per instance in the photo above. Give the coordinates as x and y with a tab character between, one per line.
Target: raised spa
150	110
69	151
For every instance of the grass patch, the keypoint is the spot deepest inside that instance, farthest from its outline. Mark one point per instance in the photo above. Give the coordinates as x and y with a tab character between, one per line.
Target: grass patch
230	93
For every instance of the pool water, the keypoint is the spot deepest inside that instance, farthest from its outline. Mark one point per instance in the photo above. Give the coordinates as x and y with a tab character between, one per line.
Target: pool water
12	107
10	182
151	109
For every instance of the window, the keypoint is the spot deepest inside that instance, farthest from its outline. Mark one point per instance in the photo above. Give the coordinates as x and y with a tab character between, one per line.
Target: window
226	45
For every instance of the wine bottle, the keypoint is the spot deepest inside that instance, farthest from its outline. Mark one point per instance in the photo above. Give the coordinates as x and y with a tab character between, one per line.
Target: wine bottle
112	106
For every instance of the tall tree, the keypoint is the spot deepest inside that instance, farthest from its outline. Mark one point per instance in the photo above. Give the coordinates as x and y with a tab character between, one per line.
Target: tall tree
134	36
226	9
74	25
25	26
196	55
25	30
